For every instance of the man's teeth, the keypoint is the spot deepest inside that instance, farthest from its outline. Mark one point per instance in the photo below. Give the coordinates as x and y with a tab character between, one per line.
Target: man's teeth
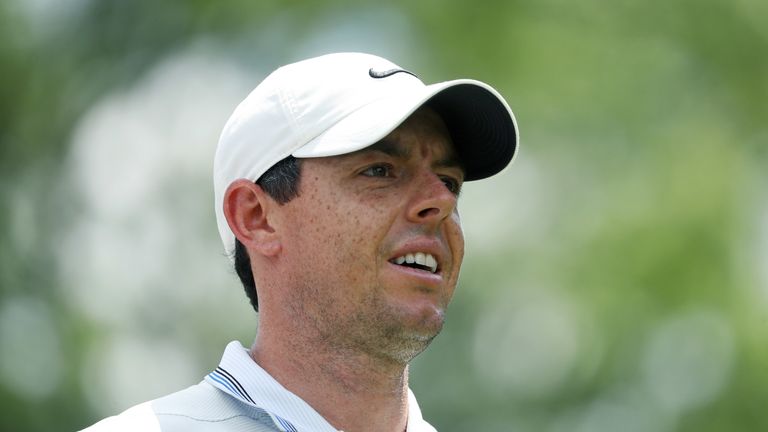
420	258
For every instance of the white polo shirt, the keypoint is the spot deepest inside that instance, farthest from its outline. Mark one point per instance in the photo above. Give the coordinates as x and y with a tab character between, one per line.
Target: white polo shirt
238	396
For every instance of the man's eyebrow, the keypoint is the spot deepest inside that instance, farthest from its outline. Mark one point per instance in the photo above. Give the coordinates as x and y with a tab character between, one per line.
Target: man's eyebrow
391	148
451	161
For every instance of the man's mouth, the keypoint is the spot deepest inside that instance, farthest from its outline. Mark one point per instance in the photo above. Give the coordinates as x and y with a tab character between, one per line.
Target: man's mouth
419	260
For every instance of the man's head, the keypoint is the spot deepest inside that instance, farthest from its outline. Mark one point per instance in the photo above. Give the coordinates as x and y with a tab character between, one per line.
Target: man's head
358	166
340	103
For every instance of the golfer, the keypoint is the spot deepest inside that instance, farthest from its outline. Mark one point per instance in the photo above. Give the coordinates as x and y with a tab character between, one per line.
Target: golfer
336	188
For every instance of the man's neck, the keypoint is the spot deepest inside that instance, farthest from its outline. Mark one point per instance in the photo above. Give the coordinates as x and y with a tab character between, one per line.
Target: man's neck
352	391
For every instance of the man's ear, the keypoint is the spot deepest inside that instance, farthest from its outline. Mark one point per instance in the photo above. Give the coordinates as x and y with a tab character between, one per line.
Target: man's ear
247	209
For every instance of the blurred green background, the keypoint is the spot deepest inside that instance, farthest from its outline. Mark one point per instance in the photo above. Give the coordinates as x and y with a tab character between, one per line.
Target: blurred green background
616	276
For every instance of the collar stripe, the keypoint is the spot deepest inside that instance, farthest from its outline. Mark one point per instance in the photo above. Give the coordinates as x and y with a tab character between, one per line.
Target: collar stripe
225	379
236	383
225	382
286	424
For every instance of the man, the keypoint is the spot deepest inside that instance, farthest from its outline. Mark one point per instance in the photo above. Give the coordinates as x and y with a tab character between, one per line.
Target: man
336	184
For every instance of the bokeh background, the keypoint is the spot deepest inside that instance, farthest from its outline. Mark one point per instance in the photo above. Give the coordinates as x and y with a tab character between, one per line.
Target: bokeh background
616	276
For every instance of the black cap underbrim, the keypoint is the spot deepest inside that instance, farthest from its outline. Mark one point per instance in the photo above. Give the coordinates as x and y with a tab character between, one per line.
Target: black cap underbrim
481	127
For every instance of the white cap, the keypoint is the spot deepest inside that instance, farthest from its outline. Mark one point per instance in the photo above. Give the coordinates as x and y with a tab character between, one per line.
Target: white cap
341	103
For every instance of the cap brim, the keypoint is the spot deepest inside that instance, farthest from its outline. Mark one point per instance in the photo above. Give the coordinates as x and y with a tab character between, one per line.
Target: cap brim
481	124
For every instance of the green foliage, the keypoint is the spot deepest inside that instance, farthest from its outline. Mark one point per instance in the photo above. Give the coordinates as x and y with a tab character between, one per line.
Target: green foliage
619	284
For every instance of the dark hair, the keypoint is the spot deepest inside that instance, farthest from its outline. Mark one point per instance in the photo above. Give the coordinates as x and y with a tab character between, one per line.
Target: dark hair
281	182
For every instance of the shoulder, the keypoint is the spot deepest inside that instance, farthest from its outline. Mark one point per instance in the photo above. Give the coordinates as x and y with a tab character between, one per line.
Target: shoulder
138	418
197	408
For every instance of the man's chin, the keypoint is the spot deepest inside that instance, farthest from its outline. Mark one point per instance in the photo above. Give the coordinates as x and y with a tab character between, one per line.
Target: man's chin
424	318
415	335
405	329
407	348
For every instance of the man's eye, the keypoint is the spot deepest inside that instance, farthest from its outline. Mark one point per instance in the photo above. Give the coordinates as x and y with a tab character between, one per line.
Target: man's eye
452	184
378	171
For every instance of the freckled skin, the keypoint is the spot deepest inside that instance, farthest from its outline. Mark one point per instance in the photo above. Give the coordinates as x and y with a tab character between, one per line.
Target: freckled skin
339	233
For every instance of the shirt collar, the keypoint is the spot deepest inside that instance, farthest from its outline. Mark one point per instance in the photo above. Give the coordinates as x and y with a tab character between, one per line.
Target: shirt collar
245	380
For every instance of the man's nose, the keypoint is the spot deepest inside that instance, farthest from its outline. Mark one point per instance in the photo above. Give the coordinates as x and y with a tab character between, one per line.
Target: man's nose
432	200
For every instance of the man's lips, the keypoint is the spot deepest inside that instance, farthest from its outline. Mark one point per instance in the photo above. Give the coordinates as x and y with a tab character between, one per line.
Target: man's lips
422	277
421	254
419	260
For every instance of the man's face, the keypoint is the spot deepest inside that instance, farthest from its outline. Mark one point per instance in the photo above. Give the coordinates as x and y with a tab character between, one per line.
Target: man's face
356	218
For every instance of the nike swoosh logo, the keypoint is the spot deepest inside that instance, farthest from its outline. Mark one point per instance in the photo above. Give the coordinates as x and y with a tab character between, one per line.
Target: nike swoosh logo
383	74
